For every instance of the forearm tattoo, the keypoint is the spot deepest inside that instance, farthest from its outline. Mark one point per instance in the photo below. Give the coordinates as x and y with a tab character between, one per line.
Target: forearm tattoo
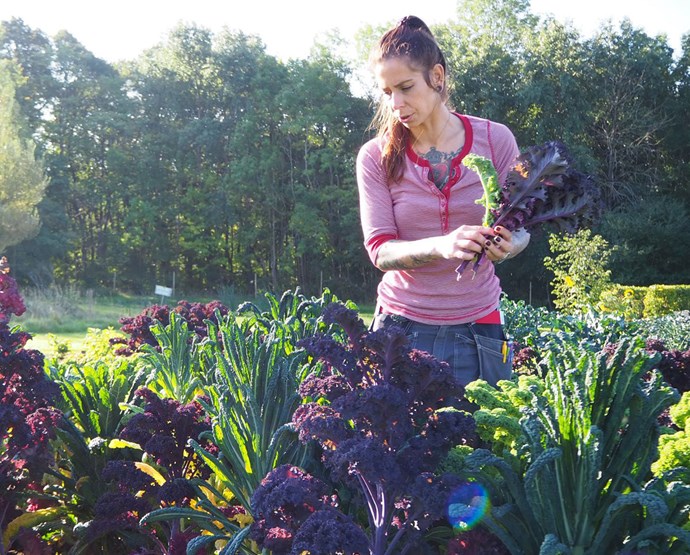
386	261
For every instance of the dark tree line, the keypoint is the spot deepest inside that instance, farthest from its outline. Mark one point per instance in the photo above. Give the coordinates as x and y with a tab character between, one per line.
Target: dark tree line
210	159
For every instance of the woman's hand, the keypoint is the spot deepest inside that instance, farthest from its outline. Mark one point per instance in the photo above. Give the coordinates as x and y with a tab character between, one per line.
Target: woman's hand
505	244
465	242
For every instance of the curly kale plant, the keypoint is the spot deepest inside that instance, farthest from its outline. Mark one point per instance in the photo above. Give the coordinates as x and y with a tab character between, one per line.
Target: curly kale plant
674	447
296	512
384	416
674	364
541	188
28	419
162	429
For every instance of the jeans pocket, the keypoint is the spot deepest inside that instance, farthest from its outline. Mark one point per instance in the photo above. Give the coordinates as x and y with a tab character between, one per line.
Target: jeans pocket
495	359
465	361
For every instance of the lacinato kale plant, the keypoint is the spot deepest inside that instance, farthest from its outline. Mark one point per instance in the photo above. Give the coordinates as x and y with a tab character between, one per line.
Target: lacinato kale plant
27	416
384	416
542	187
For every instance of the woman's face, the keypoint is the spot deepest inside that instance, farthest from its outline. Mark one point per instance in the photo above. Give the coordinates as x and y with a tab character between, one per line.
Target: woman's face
406	91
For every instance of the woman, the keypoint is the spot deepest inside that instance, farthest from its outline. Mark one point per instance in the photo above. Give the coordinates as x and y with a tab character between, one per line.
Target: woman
419	215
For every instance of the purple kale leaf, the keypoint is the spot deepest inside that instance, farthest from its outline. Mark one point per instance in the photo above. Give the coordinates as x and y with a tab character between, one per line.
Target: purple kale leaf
673	364
330	531
542	187
163	430
283	502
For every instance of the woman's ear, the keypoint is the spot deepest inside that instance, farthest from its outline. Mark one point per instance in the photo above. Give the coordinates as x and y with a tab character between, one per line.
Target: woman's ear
438	77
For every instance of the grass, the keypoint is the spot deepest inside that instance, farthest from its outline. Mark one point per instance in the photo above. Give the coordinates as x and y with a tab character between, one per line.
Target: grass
60	317
47	343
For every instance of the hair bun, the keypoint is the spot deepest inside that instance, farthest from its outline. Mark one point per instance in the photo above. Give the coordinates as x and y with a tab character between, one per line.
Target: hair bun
414	23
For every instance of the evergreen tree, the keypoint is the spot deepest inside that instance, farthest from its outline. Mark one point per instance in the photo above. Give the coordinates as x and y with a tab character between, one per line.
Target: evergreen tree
22	178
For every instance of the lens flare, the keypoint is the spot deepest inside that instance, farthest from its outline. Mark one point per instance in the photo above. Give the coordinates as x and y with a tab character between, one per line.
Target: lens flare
467	505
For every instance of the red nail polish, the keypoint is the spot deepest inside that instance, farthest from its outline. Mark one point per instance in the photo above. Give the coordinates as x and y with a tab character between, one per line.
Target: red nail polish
497	239
498	229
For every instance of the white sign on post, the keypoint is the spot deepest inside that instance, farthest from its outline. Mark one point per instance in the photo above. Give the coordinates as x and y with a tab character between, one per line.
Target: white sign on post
163	291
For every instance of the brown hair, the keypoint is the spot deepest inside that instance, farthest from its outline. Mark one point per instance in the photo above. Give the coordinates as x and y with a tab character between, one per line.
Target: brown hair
411	38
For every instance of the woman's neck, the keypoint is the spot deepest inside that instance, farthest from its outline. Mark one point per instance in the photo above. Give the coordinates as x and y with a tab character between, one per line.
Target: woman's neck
441	134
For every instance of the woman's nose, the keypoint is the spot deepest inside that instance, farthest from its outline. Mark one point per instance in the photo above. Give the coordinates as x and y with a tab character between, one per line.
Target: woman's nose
397	100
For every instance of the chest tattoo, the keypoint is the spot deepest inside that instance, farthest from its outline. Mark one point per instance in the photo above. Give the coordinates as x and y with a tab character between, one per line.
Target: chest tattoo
441	164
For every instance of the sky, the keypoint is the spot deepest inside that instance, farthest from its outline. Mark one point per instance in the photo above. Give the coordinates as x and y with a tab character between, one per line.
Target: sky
124	29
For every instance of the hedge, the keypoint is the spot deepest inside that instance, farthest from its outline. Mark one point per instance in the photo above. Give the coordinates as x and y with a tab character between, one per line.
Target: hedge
633	301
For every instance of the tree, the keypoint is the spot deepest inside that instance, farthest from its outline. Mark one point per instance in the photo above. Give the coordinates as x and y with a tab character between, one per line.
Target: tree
652	241
84	139
22	178
32	51
630	89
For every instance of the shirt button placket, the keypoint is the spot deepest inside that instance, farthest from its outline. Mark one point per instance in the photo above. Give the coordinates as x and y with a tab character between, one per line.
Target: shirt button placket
444	214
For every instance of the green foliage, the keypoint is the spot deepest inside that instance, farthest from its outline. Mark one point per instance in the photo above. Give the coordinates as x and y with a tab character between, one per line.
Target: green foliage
174	368
94	394
672	329
94	400
587	442
297	315
652	241
22	178
580	267
626	300
664	299
536	327
674	447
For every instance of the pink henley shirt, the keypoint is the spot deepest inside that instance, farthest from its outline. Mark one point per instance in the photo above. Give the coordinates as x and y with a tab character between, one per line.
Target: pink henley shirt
415	208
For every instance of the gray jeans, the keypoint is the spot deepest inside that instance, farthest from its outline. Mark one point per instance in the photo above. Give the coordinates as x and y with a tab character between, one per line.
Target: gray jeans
471	350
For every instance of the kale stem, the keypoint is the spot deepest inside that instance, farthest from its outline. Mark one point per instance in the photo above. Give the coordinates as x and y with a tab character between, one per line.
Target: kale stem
372	501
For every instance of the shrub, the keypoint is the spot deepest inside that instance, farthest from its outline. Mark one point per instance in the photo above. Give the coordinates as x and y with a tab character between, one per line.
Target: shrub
580	270
625	300
665	299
